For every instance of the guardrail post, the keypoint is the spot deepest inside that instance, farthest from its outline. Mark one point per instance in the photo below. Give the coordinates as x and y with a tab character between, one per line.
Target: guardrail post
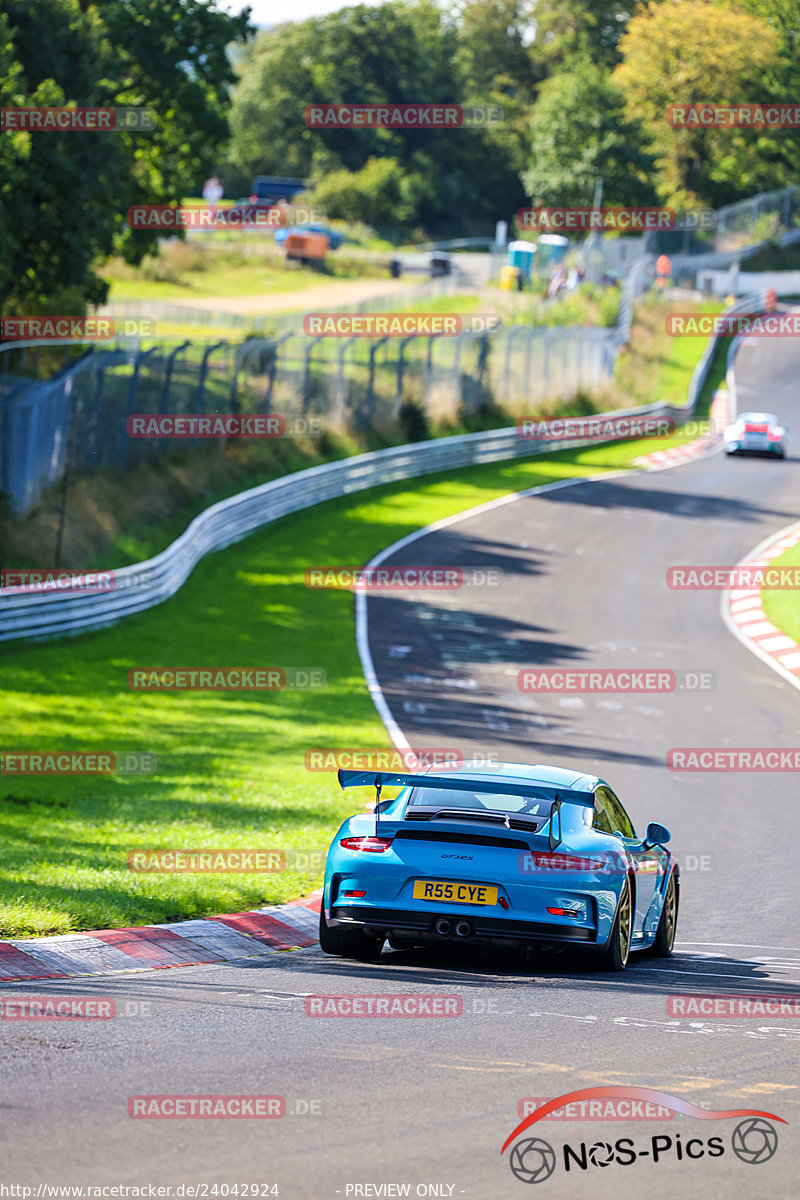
132	387
273	367
201	383
338	413
547	339
510	335
429	368
371	384
398	399
526	370
241	352
71	434
98	400
307	374
168	375
480	369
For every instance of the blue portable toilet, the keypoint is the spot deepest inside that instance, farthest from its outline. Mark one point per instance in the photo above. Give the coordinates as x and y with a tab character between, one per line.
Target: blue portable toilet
520	255
552	250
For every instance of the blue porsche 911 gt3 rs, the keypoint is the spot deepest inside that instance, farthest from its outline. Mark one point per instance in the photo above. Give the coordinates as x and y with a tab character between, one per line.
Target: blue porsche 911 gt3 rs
513	856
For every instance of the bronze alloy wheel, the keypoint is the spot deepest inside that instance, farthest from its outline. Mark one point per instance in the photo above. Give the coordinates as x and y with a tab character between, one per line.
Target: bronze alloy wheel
625	923
670	912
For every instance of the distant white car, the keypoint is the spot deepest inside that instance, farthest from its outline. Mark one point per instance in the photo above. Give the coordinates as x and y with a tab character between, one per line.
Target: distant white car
756	433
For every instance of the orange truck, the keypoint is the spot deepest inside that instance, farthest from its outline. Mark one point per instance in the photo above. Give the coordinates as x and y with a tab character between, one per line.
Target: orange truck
306	247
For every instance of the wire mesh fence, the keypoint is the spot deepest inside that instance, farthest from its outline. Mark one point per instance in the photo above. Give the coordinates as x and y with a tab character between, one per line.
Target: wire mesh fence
79	418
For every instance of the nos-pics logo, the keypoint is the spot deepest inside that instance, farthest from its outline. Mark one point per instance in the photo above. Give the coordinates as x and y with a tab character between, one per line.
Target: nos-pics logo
533	1160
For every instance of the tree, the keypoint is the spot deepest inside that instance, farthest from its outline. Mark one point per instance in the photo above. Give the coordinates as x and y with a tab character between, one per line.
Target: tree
780	149
494	39
65	208
376	194
570	29
404	52
579	131
669	59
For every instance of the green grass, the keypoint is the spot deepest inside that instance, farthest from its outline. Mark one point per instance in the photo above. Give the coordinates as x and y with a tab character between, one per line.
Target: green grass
252	266
783	607
230	765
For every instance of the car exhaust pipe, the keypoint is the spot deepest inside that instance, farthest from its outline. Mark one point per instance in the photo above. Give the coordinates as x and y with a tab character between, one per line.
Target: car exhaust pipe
443	927
463	929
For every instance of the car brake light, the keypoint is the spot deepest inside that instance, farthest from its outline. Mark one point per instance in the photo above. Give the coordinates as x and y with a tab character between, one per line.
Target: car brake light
369	845
773	437
354	893
564	912
750	428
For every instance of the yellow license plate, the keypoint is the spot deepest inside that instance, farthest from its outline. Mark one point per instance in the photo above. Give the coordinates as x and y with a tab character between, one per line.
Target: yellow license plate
458	893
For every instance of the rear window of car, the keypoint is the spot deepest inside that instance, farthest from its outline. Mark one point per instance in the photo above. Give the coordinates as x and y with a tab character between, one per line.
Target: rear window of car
759	418
538	803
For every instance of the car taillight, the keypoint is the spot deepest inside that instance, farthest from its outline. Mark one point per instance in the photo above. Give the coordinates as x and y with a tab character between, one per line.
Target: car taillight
756	428
369	845
564	912
773	437
354	893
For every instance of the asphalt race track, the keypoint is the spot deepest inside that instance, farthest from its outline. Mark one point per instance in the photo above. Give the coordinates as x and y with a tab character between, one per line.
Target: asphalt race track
429	1103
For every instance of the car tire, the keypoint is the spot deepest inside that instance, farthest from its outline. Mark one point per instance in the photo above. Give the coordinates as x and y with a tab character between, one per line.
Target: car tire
347	940
617	952
665	934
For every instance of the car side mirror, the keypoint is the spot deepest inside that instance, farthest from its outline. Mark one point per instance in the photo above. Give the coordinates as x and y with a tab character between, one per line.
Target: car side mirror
657	835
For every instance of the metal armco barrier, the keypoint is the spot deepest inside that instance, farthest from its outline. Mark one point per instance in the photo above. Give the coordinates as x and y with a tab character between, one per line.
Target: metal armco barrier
145	584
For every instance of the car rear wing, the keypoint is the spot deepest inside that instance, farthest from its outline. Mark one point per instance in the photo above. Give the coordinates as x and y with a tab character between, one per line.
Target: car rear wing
502	786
